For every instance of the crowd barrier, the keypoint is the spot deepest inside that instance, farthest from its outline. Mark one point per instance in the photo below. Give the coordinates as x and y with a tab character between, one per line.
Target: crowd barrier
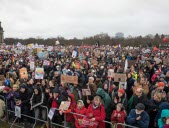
48	122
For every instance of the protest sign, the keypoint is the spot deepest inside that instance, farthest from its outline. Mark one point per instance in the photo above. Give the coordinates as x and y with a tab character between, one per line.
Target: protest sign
39	73
51	113
32	65
86	92
131	62
119	77
123	85
74	54
64	105
18	111
23	73
111	73
46	63
69	79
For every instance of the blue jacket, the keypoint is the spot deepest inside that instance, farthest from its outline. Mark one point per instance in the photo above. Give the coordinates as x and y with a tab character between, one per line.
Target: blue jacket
164	113
142	123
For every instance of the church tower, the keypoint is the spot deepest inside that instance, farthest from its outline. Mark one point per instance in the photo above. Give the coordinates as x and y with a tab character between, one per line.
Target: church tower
1	34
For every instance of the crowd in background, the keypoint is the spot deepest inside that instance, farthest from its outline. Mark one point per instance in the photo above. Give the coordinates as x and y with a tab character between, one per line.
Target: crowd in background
142	103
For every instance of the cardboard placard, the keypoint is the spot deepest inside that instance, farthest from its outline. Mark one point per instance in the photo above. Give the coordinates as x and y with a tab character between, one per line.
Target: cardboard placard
64	105
69	79
86	92
131	62
39	73
23	73
120	77
51	113
94	62
111	73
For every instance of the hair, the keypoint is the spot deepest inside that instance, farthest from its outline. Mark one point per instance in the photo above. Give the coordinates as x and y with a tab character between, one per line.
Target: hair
158	95
98	98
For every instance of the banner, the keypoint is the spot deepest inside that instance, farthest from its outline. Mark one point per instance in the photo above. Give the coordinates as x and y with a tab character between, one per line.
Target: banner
39	73
69	79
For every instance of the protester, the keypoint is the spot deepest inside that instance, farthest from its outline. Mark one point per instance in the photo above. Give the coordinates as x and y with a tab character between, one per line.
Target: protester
138	117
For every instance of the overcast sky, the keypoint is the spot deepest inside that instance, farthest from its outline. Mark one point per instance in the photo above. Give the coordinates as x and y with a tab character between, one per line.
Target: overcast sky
83	18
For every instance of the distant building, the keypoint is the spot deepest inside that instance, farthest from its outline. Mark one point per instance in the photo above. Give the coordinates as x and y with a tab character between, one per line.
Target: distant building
119	35
1	34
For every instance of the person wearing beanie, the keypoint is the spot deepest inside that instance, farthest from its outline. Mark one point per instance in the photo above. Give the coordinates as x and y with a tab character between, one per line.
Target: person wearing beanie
138	117
119	97
80	109
160	89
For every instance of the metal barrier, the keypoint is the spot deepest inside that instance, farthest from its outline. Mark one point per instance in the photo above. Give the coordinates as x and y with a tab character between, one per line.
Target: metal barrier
125	125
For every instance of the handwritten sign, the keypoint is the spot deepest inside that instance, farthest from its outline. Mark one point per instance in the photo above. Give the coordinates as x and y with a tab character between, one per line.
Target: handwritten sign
111	73
23	73
119	77
86	92
39	73
64	105
69	79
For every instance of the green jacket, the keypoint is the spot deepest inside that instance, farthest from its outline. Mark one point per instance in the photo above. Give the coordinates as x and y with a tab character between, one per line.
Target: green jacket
106	100
164	113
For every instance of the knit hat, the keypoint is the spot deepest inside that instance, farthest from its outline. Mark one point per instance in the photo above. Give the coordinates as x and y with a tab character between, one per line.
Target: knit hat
121	90
160	84
7	88
81	102
140	106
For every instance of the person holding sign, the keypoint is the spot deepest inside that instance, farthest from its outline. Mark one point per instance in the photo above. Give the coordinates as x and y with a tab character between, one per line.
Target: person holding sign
69	117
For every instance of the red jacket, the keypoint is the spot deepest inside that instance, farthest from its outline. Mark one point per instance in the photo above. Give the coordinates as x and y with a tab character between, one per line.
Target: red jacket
120	119
69	116
79	111
99	114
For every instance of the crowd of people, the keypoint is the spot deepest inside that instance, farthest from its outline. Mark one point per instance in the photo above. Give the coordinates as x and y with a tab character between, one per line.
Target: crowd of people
142	103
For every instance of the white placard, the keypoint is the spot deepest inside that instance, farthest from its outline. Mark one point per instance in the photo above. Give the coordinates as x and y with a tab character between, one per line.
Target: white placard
18	111
51	113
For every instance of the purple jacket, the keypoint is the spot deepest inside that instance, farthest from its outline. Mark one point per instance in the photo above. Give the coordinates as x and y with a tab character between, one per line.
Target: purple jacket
12	96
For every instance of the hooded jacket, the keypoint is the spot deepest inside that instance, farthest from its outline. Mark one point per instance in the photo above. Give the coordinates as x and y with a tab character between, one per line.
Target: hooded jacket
164	113
106	100
69	116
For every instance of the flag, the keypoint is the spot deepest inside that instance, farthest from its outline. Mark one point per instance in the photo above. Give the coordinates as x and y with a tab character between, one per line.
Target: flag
126	65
